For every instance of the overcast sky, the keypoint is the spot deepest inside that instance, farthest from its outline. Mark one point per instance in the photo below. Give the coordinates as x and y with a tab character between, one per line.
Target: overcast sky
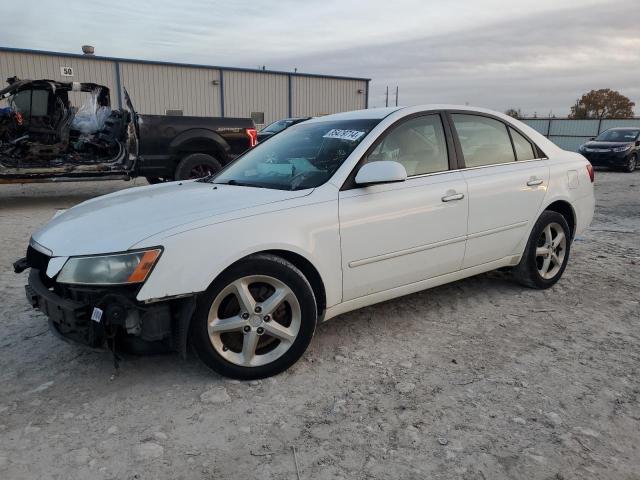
537	55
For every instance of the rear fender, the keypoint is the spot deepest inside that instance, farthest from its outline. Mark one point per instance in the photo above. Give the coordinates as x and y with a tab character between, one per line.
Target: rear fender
200	140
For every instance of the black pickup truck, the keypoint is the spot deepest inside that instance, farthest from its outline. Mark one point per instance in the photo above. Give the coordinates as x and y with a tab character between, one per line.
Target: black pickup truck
44	137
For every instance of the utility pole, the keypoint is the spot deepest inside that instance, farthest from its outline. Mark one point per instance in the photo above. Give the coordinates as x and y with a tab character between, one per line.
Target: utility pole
396	95
386	100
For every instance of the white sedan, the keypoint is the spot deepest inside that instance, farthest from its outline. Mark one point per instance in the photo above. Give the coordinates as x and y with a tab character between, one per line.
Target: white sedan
331	215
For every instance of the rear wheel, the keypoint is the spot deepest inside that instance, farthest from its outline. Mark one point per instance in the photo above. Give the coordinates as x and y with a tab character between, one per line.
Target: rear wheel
256	320
547	252
632	162
197	165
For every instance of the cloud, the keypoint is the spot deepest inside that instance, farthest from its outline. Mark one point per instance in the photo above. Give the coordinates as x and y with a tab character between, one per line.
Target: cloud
538	55
538	62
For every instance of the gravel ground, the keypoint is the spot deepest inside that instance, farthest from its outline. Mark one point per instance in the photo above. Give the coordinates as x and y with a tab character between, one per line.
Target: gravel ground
479	379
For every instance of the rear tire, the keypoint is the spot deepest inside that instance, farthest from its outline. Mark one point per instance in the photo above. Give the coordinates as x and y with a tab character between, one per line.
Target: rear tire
197	165
241	331
547	252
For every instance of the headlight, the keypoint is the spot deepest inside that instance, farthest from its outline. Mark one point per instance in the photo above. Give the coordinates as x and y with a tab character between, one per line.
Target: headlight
622	149
114	269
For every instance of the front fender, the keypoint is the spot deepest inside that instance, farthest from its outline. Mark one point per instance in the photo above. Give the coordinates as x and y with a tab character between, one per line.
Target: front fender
193	259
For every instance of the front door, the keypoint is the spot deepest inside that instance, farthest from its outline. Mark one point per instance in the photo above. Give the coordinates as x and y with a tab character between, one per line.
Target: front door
399	233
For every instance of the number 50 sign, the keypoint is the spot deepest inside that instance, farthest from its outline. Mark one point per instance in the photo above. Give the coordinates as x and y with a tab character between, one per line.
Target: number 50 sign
66	71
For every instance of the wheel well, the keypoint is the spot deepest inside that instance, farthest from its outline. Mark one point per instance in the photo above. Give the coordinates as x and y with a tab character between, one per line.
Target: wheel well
309	271
200	145
566	210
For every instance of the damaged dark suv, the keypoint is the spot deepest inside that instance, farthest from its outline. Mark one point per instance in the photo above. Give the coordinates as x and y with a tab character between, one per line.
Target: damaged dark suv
46	136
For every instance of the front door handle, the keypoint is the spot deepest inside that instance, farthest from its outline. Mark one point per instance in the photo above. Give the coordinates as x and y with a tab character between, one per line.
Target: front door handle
452	197
533	181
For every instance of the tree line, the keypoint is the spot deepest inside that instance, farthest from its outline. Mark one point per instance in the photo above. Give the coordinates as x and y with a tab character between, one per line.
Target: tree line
596	104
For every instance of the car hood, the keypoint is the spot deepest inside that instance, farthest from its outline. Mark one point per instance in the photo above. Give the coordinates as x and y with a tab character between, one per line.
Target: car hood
116	222
594	144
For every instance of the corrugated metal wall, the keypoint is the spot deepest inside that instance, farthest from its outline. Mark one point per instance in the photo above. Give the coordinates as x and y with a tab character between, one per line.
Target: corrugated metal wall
321	96
35	66
157	88
247	92
569	134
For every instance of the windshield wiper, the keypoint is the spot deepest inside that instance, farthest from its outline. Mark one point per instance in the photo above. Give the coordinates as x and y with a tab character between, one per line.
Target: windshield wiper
235	183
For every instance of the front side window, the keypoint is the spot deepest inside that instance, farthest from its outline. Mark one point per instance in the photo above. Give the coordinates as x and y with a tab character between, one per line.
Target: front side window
418	144
484	141
303	156
524	149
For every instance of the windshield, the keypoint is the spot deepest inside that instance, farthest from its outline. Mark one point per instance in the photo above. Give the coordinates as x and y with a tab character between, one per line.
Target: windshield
618	135
276	127
303	156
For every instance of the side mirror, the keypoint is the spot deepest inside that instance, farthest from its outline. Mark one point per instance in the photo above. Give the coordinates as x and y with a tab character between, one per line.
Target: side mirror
592	138
637	143
384	171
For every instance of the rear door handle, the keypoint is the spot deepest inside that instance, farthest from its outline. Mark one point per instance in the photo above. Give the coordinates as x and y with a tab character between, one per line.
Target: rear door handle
535	181
453	197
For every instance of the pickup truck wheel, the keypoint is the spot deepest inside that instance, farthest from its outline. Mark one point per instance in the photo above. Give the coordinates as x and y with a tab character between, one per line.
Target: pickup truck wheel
197	165
547	252
255	320
154	180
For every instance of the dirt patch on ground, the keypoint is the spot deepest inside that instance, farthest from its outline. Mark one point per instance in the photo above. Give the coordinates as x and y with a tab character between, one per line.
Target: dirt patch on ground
479	379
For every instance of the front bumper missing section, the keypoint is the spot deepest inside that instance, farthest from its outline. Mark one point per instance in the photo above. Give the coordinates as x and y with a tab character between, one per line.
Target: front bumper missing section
161	327
68	318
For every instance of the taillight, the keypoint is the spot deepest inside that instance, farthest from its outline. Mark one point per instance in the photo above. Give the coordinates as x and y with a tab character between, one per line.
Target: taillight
252	133
590	171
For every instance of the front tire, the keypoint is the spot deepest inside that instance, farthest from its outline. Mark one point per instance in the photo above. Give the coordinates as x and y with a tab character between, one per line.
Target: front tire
632	163
255	320
547	252
197	165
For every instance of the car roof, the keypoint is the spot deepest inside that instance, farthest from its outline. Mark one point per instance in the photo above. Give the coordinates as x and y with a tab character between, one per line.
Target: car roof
380	113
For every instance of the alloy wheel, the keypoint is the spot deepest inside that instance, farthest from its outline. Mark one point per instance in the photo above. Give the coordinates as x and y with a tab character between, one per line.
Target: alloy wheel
254	320
551	250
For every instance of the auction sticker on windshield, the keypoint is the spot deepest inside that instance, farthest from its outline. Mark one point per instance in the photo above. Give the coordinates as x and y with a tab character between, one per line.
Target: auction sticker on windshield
351	135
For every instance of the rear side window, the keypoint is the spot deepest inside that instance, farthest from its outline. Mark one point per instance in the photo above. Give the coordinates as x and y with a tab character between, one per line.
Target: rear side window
484	141
418	144
524	149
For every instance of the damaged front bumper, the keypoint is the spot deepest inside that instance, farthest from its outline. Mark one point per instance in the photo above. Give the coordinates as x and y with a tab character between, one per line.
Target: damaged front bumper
140	328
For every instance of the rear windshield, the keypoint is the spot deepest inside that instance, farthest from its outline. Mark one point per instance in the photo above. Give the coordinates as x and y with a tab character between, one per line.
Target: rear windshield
615	135
303	156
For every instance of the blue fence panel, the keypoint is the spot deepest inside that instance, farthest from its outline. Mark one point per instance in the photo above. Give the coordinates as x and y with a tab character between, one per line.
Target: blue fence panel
577	128
569	134
629	122
569	143
540	125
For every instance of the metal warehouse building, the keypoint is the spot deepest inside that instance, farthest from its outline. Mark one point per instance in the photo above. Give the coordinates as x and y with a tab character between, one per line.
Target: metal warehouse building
201	90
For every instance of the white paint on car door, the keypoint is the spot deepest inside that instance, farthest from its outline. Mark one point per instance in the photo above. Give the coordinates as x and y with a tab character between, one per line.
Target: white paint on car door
399	233
503	201
506	184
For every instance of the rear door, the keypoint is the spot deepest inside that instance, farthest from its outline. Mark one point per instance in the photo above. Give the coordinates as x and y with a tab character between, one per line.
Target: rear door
507	179
399	233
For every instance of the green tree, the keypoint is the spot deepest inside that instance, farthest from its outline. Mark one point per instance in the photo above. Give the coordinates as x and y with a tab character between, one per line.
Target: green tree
603	103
